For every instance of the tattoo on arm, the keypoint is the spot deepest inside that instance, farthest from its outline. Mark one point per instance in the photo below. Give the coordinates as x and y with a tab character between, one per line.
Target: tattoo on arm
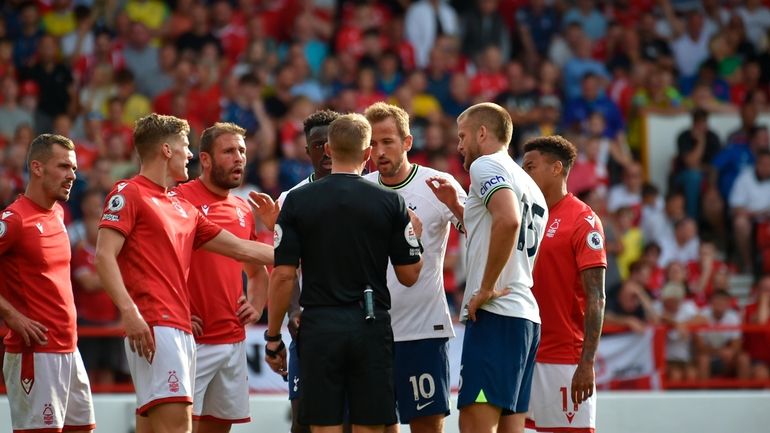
593	284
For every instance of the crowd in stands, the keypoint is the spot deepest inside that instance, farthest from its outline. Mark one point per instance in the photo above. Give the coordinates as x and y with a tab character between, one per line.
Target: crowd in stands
589	70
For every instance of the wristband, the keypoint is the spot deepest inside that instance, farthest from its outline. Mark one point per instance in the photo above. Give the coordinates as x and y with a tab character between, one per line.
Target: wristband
273	338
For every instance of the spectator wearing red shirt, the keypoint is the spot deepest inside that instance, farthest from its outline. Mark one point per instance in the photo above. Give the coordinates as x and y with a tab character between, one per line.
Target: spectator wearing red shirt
113	125
757	343
490	81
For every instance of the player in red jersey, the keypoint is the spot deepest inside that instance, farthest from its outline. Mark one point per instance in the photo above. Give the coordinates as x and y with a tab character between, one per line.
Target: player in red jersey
219	308
143	254
571	300
48	387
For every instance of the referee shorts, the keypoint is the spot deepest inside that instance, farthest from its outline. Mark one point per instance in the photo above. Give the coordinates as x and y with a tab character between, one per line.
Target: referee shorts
342	358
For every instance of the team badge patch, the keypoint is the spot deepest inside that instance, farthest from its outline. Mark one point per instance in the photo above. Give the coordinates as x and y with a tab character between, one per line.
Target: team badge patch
595	241
411	236
3	228
277	236
116	203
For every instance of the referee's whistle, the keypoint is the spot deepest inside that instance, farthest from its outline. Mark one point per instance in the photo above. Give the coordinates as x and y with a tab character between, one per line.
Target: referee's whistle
369	303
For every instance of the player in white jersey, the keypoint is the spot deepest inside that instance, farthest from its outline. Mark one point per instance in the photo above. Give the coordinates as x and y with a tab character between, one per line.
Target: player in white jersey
420	317
316	127
504	216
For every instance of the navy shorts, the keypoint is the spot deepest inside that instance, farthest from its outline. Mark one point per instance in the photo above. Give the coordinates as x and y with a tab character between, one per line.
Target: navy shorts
421	375
293	371
498	361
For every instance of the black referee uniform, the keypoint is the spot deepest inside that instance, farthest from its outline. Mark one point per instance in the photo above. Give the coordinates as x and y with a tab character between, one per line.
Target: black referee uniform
343	230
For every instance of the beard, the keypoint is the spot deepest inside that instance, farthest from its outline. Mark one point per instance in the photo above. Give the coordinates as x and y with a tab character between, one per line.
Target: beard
221	178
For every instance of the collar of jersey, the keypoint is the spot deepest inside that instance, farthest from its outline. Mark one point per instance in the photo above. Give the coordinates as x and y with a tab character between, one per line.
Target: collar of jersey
404	183
311	178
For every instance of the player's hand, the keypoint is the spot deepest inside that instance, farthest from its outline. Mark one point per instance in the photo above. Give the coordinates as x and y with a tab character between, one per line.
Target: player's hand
264	208
482	297
294	320
197	325
246	312
140	338
416	223
443	190
31	331
583	382
277	363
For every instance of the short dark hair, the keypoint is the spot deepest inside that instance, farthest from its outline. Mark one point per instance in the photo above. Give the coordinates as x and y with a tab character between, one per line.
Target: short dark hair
210	134
699	114
555	146
41	147
649	189
319	118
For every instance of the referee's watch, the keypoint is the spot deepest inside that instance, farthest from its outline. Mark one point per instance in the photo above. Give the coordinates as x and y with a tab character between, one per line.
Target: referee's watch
274	338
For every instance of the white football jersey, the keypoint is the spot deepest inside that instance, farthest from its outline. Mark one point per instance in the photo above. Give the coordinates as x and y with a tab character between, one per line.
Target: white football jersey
307	180
420	311
489	173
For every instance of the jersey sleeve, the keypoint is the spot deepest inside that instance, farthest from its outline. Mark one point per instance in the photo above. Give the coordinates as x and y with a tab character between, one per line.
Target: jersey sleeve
205	230
121	209
286	239
588	242
405	248
487	177
10	230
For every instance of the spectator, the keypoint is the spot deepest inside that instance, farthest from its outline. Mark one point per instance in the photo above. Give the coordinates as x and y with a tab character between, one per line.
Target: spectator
737	155
629	192
703	273
630	307
135	105
389	75
79	41
425	21
696	147
538	23
489	80
717	352
54	80
93	97
757	342
278	102
749	201
12	115
630	238
756	18
483	27
683	247
679	314
151	13
459	96
520	98
654	48
690	39
578	67
26	41
586	13
105	52
142	59
591	100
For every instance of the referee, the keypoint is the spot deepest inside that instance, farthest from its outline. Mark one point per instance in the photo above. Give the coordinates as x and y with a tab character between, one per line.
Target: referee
343	229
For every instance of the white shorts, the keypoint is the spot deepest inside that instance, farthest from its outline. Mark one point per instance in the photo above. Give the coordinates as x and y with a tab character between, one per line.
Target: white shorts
550	405
221	383
48	392
170	377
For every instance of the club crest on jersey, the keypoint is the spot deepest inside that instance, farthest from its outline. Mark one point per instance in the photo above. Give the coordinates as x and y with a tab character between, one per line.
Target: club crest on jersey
490	183
241	217
48	416
3	228
595	240
551	232
277	235
116	203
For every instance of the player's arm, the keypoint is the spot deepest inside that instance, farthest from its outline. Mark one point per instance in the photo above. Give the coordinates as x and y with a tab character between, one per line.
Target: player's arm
447	193
503	207
583	380
232	246
30	330
279	297
251	306
108	246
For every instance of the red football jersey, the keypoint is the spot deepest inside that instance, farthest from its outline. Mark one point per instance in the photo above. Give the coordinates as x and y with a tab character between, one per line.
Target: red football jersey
216	281
35	273
161	232
573	242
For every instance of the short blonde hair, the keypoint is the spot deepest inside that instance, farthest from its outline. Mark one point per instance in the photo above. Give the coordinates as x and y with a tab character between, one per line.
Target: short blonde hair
349	137
152	130
494	117
380	111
